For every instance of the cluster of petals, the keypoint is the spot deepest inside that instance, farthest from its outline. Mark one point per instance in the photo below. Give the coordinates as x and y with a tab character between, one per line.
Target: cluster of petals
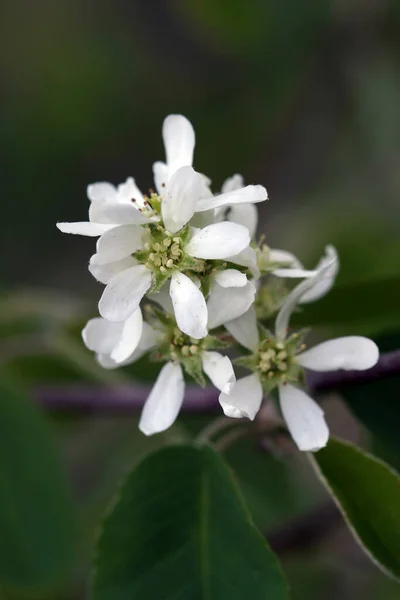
303	416
120	215
198	235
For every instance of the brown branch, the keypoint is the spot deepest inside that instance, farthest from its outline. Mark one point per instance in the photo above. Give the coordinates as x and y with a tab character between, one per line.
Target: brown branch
130	398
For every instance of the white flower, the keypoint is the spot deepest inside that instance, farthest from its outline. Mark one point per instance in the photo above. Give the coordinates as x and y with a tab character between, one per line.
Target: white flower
160	254
132	257
118	344
278	362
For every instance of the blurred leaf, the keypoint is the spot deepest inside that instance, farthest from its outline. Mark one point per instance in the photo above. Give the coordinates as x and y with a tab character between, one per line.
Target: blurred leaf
180	529
376	403
355	303
255	469
37	530
367	492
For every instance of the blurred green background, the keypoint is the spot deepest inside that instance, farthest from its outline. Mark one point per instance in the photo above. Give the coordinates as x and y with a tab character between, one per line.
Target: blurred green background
302	96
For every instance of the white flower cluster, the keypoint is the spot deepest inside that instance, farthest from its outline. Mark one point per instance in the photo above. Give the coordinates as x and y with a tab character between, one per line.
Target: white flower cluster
186	279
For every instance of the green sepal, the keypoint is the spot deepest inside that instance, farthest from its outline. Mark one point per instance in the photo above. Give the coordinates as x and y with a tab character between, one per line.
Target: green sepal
141	256
294	341
183	233
206	282
158	281
264	333
192	366
212	342
248	362
189	263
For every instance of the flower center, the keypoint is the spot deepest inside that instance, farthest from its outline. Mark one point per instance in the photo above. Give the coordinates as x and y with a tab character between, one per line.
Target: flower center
276	362
162	251
182	346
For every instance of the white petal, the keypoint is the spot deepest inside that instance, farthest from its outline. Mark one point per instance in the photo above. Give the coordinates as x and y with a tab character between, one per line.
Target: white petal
287	258
122	214
291	266
282	320
84	228
130	337
350	352
244	399
164	402
304	418
247	258
118	243
104	273
219	369
129	193
232	183
101	192
107	362
250	193
226	304
96	213
150	338
294	273
321	288
124	292
218	241
100	335
189	306
180	198
230	278
160	174
179	141
244	329
246	215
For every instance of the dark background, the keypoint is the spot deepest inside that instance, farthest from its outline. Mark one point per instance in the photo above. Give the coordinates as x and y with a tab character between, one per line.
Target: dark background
302	96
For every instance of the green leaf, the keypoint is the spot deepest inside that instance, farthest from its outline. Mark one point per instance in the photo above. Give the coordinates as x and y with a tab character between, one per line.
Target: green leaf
367	491
358	303
180	530
37	529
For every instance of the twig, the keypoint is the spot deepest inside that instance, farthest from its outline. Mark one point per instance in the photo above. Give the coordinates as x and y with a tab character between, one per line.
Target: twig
129	398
